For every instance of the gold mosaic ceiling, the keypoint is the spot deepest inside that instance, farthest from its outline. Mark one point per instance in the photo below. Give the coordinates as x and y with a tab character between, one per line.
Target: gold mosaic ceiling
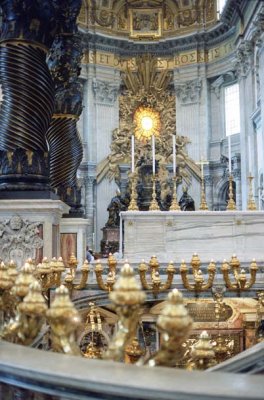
147	19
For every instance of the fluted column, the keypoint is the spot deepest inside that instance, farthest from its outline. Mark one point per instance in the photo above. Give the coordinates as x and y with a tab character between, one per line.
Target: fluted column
64	140
27	32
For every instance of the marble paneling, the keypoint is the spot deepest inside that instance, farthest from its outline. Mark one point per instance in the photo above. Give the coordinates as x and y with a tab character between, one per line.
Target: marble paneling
175	236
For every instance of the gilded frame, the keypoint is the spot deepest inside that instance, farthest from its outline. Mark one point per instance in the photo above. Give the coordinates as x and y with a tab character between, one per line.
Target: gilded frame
145	23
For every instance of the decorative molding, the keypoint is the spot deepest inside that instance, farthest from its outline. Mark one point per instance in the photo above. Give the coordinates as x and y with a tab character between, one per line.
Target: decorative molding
19	239
189	92
220	81
105	92
208	180
244	58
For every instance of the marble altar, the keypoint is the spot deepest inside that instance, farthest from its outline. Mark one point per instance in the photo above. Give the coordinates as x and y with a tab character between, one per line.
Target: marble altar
177	235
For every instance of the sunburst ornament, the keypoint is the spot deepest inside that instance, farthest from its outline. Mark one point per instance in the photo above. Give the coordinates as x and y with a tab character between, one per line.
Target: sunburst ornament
147	123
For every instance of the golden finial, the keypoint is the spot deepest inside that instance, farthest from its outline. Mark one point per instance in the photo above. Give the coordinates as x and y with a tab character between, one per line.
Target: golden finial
174	323
64	320
23	281
202	354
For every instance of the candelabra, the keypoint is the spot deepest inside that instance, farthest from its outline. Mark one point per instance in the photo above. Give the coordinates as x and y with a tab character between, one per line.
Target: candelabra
231	205
199	284
202	354
133	202
251	205
241	283
174	324
154	204
44	273
69	279
72	264
127	298
203	204
174	205
64	321
156	285
58	268
111	277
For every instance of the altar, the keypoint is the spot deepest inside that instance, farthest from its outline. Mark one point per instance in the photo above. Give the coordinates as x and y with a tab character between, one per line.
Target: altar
177	235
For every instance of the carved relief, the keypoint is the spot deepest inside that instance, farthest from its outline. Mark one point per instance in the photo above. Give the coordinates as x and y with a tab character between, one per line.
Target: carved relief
244	58
147	18
19	239
189	91
105	92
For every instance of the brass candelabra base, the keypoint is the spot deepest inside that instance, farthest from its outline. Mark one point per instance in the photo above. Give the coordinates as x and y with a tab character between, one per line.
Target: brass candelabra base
154	204
133	202
231	205
251	205
203	204
174	205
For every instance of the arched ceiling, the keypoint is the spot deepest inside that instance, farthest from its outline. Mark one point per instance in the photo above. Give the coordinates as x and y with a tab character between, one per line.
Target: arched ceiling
147	19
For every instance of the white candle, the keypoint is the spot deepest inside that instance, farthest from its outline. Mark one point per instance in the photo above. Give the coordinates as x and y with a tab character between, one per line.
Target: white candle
174	153
229	155
133	153
249	156
153	154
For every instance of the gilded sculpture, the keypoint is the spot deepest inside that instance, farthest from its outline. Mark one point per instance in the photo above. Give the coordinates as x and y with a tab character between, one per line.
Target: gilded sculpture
148	92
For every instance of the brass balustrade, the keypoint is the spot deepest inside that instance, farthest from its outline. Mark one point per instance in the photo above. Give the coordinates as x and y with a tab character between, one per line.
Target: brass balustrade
156	286
127	298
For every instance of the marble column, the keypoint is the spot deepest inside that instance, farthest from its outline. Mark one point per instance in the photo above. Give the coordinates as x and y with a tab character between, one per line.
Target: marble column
243	66
208	181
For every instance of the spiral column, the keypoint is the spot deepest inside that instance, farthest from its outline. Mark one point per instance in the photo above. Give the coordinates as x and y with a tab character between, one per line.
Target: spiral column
28	93
64	141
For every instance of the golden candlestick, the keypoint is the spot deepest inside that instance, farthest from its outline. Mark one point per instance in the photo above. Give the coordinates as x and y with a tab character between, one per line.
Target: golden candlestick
133	202
231	205
203	204
174	205
154	204
251	205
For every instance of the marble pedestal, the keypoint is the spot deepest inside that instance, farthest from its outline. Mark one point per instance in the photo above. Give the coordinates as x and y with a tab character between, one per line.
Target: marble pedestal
177	235
73	238
30	228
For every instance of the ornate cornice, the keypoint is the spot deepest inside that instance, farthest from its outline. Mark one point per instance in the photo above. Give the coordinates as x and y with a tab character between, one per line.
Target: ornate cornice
105	92
188	92
125	47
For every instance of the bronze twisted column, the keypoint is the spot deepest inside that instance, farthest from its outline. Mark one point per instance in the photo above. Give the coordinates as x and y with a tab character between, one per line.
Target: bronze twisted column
27	31
64	140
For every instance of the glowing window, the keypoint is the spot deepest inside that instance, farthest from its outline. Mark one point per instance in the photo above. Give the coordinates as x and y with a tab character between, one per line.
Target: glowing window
232	110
